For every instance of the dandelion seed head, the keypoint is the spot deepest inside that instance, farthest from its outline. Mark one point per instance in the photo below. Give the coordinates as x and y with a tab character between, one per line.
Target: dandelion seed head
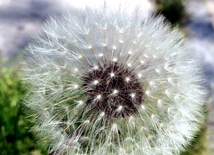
127	79
114	126
114	59
157	70
143	107
101	54
152	116
102	114
76	86
75	70
147	92
132	95
120	108
115	91
142	62
87	121
139	75
130	52
80	102
80	56
112	74
106	87
114	47
95	82
103	79
95	67
129	64
98	97
121	41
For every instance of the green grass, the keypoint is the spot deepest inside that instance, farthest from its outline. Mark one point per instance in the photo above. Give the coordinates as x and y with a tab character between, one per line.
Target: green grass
15	138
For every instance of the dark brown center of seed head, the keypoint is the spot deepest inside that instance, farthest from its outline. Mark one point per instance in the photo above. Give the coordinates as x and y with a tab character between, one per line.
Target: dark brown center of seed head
113	90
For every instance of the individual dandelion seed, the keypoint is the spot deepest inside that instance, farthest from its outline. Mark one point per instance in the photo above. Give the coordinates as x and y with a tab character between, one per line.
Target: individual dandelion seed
110	82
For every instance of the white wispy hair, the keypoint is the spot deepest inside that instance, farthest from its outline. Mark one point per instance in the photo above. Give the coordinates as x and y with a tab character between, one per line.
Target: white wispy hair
81	42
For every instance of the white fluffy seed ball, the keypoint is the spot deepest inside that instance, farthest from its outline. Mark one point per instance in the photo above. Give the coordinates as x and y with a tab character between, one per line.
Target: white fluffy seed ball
109	82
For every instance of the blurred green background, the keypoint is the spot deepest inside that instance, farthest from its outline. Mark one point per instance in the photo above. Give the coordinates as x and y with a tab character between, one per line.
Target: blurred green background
15	138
